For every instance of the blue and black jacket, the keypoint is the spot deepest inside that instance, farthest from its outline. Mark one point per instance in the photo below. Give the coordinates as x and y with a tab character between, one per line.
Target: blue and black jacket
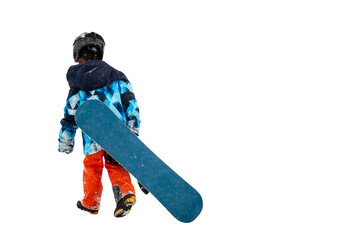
96	80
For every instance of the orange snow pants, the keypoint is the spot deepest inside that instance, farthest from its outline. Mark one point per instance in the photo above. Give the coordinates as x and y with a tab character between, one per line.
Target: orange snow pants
92	175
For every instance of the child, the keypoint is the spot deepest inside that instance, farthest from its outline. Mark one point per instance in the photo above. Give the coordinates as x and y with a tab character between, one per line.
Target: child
92	78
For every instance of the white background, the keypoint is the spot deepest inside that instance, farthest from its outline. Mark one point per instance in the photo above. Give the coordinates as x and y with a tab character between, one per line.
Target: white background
255	103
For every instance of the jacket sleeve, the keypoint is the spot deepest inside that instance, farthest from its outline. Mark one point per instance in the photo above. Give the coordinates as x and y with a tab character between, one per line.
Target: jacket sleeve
68	125
130	106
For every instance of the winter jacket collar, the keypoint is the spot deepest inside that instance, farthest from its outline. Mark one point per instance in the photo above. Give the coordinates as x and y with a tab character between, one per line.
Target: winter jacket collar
92	75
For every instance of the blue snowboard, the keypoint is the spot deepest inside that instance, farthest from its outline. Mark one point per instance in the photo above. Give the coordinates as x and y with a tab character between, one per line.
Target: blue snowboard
99	122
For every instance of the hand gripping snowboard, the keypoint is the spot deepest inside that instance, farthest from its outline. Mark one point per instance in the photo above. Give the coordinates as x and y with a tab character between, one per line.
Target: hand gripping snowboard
100	123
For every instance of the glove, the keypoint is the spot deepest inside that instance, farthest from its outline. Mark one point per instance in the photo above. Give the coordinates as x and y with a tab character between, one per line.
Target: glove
65	148
133	131
131	126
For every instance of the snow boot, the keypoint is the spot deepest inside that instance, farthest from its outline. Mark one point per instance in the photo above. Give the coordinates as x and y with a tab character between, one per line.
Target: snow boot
144	190
80	206
124	205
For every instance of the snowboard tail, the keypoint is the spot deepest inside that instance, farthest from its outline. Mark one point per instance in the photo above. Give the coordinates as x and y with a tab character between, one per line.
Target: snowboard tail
101	124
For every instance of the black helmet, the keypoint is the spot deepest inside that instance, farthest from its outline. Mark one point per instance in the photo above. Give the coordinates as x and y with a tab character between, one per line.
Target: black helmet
88	40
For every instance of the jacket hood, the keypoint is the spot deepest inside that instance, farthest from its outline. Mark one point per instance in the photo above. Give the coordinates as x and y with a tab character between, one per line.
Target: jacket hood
92	75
